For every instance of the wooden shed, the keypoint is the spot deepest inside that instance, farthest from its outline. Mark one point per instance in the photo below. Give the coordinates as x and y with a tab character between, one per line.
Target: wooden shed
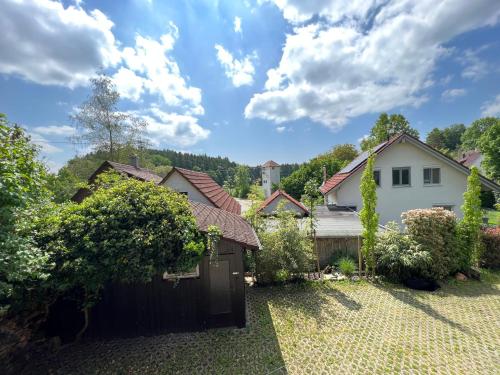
212	295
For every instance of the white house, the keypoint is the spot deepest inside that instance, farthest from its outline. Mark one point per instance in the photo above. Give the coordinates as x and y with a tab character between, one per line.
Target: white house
409	174
200	187
270	176
270	205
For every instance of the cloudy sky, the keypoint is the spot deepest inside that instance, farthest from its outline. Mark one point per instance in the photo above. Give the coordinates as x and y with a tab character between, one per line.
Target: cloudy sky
252	80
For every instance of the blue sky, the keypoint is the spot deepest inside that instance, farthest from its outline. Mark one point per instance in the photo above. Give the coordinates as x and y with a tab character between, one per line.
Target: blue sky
250	80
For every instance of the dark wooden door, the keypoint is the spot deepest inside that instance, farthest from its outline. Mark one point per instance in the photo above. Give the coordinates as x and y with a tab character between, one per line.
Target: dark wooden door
220	287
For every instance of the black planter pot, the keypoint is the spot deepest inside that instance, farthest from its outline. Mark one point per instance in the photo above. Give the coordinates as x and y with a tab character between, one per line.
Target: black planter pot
420	283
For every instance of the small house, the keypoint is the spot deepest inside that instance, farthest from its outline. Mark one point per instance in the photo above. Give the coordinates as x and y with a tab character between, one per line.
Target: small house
270	205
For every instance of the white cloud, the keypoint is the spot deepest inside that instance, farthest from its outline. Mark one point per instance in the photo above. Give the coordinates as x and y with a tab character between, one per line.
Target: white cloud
280	129
491	108
151	68
44	42
363	138
359	58
173	128
237	25
240	72
44	144
474	66
63	130
451	94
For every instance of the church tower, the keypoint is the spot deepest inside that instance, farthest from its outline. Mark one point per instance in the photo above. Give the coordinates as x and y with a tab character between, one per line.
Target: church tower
270	176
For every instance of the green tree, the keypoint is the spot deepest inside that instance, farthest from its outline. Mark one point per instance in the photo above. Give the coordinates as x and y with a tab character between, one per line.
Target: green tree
453	136
436	139
470	226
242	181
286	249
252	215
22	186
386	127
368	215
470	138
126	231
311	198
103	125
489	145
333	161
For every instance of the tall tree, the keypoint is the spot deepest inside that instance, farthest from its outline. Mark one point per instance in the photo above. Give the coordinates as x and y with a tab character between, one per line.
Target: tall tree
470	226
453	136
386	127
489	145
368	215
102	124
435	138
333	161
242	181
470	138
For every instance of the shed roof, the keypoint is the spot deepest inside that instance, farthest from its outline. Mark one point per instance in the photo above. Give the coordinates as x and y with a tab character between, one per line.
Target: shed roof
137	172
232	225
334	222
208	188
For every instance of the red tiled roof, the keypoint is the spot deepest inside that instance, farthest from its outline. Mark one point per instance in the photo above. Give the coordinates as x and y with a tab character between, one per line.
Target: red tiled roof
270	163
232	225
139	173
209	188
278	193
333	182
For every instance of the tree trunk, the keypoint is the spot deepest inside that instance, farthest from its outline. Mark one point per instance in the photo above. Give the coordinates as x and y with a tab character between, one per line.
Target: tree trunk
85	324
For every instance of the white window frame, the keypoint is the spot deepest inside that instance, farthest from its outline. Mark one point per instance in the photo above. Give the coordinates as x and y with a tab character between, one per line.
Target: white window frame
431	167
400	169
193	274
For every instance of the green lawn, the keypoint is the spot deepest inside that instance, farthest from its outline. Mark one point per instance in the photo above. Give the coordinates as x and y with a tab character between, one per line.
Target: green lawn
493	217
345	328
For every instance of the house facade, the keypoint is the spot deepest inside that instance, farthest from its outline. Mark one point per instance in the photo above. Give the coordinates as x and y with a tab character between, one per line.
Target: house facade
200	187
270	205
409	174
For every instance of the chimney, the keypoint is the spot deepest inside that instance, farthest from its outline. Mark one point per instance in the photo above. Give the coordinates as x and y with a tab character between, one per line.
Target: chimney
324	174
134	161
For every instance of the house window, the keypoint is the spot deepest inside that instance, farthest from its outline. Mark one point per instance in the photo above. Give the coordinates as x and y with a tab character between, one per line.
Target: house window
448	207
401	176
432	176
183	193
376	176
195	272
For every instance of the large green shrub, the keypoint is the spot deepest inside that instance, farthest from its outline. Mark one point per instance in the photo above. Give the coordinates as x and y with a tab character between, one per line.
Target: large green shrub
286	250
347	266
126	231
490	257
398	257
435	230
22	186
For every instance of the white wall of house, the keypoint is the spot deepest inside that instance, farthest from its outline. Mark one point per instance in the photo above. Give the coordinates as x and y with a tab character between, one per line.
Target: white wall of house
273	206
392	200
270	176
178	183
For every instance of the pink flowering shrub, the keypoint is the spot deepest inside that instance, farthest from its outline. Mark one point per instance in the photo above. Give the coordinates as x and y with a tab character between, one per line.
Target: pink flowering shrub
435	230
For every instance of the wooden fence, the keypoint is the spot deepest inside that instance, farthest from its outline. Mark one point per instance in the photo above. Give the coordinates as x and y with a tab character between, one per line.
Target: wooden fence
331	249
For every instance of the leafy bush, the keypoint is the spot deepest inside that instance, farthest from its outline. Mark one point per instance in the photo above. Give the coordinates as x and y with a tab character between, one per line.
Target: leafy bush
491	255
398	257
22	186
286	249
126	231
435	230
347	266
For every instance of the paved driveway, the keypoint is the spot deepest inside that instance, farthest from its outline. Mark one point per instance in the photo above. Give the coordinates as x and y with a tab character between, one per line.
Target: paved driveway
348	328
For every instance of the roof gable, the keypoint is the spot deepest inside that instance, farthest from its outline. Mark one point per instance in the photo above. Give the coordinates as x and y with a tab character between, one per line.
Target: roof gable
360	162
281	193
208	188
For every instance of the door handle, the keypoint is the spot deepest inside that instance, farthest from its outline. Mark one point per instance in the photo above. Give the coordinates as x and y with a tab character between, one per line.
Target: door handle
236	273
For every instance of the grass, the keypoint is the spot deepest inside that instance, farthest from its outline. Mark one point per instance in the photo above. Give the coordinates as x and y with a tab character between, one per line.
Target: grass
321	328
493	217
